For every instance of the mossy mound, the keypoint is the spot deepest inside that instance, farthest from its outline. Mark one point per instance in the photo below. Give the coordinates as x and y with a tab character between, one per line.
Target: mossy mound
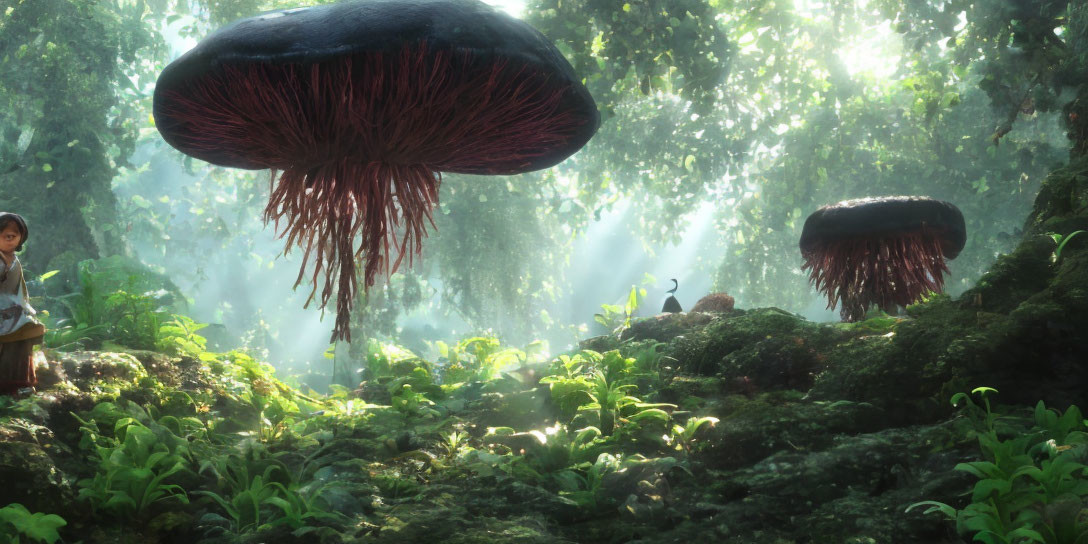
744	342
664	327
748	426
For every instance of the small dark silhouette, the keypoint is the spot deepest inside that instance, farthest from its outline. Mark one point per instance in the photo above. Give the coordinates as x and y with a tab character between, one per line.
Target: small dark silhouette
671	304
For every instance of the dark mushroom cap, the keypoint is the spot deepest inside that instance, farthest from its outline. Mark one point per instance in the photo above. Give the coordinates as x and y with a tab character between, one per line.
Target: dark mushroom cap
886	216
321	33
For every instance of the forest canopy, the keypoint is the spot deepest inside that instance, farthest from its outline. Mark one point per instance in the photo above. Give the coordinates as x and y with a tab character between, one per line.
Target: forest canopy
765	109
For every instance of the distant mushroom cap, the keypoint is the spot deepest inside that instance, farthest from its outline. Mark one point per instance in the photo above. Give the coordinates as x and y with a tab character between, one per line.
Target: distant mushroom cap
886	215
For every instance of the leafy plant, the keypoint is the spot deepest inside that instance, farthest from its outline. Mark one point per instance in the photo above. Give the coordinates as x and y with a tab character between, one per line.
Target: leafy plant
381	358
647	359
561	449
683	436
396	487
1061	241
568	393
178	337
135	318
119	299
585	485
245	495
453	445
270	403
1031	487
590	478
480	358
598	384
17	522
569	367
300	508
259	493
133	467
61	334
983	416
412	402
616	318
607	398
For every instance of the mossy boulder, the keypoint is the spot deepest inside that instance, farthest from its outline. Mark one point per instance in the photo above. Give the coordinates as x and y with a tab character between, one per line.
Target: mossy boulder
32	479
824	432
751	430
88	370
749	342
450	514
873	474
600	344
665	327
173	371
851	489
1037	350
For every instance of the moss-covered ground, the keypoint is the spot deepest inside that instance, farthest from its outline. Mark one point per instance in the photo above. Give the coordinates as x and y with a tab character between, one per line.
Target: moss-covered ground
747	426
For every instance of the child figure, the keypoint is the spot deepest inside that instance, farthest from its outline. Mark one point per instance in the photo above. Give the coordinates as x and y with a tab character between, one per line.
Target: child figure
19	330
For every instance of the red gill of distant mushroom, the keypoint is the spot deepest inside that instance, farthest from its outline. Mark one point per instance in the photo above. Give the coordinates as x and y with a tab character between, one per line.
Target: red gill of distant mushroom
885	271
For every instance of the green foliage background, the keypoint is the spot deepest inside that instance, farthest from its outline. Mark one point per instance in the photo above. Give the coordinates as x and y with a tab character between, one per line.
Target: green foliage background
745	103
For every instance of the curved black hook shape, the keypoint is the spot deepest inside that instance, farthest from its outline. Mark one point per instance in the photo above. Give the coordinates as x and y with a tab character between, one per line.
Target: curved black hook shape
671	304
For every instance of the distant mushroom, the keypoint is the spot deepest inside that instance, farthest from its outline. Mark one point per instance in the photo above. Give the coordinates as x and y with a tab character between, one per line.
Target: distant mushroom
362	105
887	251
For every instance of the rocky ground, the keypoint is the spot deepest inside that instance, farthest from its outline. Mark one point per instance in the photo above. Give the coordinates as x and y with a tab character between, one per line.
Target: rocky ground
825	433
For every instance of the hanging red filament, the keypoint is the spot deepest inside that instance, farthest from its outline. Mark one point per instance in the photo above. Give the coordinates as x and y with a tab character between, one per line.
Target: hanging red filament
886	271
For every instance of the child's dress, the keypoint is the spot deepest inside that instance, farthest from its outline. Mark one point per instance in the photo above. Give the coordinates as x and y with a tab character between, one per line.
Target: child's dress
19	330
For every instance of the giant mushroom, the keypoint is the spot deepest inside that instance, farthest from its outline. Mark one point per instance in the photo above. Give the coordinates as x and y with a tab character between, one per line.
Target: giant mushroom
360	106
887	251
